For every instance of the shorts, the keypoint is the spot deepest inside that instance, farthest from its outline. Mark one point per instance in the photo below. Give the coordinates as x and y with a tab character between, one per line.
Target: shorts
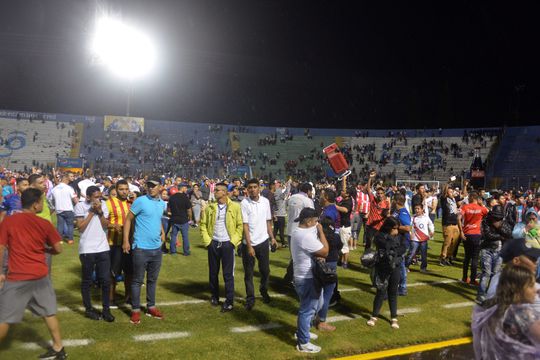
120	261
345	235
36	295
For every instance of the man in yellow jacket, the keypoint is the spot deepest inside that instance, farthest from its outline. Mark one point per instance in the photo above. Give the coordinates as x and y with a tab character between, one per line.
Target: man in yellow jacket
221	229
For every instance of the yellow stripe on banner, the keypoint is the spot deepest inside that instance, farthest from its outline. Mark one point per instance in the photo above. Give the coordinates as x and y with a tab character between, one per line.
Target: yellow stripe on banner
408	349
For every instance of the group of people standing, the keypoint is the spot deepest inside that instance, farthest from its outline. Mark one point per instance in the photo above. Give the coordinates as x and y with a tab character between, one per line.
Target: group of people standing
123	232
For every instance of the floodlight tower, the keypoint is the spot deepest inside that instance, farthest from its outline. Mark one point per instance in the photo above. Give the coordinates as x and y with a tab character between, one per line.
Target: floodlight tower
126	51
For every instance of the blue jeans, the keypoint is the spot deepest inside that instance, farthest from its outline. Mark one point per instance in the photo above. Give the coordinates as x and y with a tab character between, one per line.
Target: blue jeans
184	229
64	224
326	295
490	262
415	245
149	262
309	299
402	288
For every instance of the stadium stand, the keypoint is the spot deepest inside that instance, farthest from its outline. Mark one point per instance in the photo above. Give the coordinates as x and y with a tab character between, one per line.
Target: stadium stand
27	142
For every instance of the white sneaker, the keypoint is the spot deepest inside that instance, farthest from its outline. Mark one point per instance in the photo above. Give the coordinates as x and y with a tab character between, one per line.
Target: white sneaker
312	336
308	348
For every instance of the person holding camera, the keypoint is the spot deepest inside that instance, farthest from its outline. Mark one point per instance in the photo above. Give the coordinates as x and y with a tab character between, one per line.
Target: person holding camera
387	271
257	219
94	251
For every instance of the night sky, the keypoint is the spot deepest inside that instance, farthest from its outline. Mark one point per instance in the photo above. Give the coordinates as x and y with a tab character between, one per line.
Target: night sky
352	64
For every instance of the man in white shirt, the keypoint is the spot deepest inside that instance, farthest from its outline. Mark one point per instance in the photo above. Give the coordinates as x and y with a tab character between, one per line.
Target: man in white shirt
307	241
94	249
296	204
84	184
257	219
64	197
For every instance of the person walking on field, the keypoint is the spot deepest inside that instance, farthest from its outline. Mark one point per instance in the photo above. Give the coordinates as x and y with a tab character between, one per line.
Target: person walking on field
27	284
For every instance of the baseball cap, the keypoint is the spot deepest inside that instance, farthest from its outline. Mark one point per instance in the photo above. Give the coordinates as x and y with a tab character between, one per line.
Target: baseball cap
306	213
516	247
154	181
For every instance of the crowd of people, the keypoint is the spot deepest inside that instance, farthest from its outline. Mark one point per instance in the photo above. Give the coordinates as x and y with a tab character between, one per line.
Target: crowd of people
125	226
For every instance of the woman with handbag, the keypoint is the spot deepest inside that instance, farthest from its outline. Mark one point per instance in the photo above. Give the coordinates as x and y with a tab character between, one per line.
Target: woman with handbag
335	244
387	274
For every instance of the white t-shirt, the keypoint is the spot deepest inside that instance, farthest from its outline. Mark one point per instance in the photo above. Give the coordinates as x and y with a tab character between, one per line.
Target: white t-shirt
220	228
94	237
295	205
63	196
304	242
256	214
83	185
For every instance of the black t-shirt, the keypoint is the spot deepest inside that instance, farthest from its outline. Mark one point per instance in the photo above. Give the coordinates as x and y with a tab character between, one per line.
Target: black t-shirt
346	217
449	210
179	204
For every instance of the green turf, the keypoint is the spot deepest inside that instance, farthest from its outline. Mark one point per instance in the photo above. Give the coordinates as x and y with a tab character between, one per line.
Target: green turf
185	278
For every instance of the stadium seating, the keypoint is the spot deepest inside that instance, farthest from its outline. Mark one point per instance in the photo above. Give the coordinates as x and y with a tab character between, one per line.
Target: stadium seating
30	143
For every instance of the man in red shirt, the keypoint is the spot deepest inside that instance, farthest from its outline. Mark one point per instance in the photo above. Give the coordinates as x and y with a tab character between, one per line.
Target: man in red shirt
27	284
472	215
379	209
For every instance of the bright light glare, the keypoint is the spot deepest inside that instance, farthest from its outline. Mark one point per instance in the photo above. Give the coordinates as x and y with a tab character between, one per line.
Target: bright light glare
126	51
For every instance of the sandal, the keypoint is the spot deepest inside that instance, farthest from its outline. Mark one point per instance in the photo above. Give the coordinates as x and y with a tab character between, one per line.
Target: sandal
395	324
372	321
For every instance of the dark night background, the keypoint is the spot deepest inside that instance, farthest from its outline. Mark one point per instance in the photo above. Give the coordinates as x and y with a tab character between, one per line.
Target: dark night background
358	64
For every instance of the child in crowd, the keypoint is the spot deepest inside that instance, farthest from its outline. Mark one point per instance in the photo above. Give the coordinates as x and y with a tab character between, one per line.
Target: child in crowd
422	231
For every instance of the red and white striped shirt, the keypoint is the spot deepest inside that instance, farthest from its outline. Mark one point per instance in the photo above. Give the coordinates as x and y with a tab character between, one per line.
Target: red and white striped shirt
362	202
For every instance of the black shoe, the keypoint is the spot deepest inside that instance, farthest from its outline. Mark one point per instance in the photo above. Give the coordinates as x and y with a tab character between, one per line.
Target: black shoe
107	316
214	301
52	354
249	306
442	262
226	308
284	246
266	298
93	314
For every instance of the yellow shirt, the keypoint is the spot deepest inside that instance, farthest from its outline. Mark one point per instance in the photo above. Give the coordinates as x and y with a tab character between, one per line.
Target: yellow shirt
118	211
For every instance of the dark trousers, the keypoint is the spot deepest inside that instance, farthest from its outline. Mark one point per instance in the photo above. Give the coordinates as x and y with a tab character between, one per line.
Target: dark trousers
290	270
221	253
391	291
145	261
369	235
279	226
262	254
472	252
102	263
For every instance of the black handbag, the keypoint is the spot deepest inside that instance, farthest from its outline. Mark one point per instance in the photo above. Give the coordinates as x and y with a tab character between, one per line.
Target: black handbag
323	273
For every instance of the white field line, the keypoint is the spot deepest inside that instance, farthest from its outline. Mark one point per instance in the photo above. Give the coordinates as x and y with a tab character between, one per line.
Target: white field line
432	283
337	318
161	336
404	311
68	343
458	305
252	328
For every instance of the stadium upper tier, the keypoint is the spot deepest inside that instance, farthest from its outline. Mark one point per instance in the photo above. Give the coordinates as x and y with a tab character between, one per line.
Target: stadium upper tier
194	149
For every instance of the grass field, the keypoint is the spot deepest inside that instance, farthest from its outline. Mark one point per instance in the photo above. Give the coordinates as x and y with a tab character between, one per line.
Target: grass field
436	308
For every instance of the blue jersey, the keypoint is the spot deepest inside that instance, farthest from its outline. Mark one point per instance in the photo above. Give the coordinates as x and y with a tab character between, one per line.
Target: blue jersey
404	218
12	204
332	212
147	211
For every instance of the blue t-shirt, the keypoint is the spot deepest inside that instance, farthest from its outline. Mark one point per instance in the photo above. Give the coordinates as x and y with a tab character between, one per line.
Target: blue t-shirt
7	190
332	212
404	219
11	204
147	211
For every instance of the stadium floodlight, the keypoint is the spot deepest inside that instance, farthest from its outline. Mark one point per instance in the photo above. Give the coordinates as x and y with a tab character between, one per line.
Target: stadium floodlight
125	50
